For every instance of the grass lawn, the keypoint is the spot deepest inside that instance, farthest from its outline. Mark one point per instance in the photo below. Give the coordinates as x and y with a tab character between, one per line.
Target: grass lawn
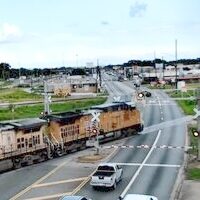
192	85
160	86
193	173
16	94
187	106
35	110
178	93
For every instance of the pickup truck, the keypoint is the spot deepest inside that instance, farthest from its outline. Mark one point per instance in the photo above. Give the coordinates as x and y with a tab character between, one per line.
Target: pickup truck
106	175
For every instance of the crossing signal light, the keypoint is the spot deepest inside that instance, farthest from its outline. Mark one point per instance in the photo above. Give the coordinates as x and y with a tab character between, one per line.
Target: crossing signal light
141	95
196	133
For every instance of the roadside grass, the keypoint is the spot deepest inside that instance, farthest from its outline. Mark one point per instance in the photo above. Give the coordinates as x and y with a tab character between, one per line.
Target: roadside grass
160	86
193	173
35	110
16	94
4	83
193	140
192	85
179	93
187	106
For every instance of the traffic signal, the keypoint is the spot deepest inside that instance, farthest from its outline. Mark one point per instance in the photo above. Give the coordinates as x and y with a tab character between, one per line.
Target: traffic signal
196	133
140	95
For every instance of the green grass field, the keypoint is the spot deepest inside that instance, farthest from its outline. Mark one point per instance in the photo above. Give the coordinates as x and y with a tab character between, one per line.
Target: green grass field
187	106
193	173
16	95
178	93
35	110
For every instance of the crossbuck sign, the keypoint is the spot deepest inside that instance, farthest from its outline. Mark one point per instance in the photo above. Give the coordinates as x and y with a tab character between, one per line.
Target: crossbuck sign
95	115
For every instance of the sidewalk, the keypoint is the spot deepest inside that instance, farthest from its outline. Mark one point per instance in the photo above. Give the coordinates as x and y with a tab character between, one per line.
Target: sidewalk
190	190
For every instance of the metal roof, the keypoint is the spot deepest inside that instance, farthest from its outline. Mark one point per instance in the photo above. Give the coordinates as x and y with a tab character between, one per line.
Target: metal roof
110	105
28	123
5	127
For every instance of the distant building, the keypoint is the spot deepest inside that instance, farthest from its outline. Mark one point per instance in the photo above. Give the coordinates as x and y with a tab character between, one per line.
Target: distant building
72	84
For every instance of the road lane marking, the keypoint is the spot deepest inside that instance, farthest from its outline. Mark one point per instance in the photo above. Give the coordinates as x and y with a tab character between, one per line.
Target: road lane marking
50	173
88	178
60	182
50	196
148	165
82	184
38	181
141	166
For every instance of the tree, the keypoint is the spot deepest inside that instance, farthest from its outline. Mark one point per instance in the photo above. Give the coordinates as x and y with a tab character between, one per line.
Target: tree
4	71
78	71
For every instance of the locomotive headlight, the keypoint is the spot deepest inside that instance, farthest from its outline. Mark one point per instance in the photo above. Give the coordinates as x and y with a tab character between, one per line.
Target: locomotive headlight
94	131
196	133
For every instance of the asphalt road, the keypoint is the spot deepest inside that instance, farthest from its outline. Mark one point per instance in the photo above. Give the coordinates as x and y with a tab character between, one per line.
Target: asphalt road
152	171
143	167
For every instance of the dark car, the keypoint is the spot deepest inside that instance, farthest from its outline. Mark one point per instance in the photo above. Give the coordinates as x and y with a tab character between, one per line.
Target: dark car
147	94
74	198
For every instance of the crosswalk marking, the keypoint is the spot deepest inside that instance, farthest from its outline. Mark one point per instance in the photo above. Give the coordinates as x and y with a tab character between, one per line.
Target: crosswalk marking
60	182
144	146
149	165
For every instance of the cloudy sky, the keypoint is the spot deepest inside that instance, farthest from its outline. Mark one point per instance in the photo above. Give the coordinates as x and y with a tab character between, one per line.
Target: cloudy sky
49	33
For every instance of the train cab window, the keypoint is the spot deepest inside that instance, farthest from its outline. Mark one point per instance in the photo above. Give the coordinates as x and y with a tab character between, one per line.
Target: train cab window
26	142
38	139
30	142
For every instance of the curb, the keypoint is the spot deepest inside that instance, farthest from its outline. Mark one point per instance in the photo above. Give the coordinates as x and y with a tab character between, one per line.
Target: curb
177	190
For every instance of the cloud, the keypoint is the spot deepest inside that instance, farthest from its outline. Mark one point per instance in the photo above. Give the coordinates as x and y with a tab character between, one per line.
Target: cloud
137	9
104	23
10	33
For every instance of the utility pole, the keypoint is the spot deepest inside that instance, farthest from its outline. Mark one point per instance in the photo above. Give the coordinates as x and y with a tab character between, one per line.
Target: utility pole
47	99
155	64
176	63
198	121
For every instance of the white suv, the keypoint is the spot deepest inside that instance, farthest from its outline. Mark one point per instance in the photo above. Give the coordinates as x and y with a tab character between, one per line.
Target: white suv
138	197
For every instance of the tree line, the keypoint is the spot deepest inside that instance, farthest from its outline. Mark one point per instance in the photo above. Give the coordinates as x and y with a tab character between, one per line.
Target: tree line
6	71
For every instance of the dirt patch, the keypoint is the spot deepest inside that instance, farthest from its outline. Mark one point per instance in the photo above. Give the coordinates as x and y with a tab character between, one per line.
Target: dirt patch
194	164
91	158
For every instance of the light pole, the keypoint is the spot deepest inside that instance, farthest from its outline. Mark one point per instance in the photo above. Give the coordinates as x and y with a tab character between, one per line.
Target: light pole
176	64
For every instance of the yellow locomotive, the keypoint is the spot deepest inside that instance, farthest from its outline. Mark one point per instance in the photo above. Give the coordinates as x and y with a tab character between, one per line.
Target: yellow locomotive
28	141
71	130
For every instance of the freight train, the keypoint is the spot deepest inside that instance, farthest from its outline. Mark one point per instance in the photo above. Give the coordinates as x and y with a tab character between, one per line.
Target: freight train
28	141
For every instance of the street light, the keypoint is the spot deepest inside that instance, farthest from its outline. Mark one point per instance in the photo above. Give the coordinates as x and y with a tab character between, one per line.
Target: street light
176	63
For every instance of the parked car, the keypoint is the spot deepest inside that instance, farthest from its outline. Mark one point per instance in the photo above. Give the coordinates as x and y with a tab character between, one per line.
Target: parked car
138	197
74	198
107	175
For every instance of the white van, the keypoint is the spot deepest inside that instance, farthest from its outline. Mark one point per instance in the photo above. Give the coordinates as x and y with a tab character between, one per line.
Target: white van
138	197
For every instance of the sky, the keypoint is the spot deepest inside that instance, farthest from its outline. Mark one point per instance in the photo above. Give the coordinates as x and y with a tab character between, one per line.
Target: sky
54	33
